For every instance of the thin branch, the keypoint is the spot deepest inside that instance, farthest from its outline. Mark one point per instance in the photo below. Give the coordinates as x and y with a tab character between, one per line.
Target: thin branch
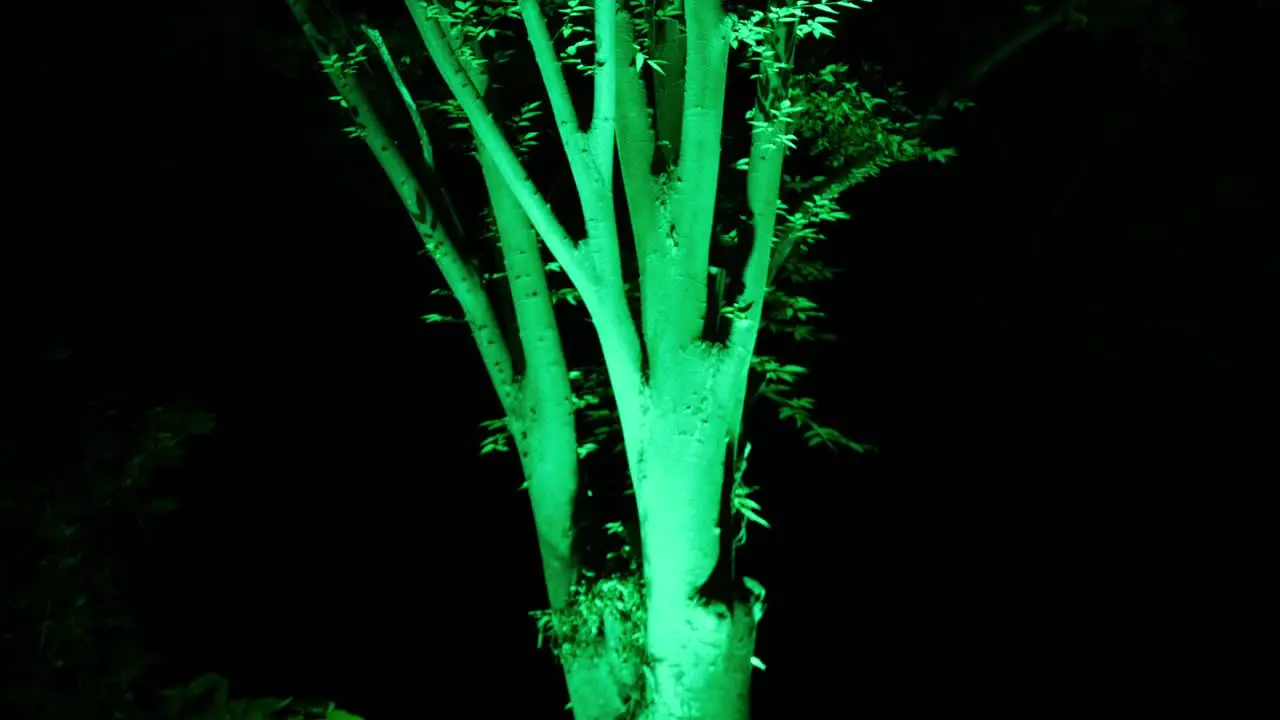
697	177
491	136
605	103
1042	23
590	154
829	189
764	183
836	184
390	64
544	54
539	335
461	277
428	154
544	427
764	186
636	147
594	267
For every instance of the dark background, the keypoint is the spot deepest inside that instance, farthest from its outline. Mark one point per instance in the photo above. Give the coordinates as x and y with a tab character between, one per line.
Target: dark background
1062	344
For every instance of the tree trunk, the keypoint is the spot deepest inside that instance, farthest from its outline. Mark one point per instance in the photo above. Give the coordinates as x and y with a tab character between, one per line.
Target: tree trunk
661	649
705	670
593	691
699	648
605	678
595	670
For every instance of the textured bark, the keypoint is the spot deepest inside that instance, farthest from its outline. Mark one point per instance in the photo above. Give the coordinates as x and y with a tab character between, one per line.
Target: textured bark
594	693
708	674
699	649
597	690
695	658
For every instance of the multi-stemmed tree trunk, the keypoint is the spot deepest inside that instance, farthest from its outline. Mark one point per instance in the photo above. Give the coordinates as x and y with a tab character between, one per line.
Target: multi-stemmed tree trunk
669	642
679	397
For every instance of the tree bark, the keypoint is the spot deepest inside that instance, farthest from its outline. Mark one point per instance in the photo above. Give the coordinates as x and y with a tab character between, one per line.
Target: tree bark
699	648
705	670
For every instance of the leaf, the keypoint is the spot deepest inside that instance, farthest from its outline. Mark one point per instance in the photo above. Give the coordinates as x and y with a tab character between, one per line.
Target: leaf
748	514
163	505
438	318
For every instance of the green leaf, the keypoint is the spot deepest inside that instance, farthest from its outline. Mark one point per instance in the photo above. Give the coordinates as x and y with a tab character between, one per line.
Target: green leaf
748	514
163	505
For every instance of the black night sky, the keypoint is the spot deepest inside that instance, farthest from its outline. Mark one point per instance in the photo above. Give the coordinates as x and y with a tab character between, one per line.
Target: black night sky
1063	344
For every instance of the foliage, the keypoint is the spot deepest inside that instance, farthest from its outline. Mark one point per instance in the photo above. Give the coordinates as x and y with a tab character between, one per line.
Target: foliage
72	504
741	502
609	607
605	618
855	132
84	483
850	127
854	129
208	698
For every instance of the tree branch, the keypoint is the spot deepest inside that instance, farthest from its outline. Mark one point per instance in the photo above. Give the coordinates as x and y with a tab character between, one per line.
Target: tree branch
491	136
390	64
829	189
764	185
636	147
837	183
1042	22
544	54
604	109
461	277
594	267
428	155
590	154
698	170
590	157
543	425
546	372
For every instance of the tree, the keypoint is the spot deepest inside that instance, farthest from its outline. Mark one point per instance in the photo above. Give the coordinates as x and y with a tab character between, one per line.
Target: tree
677	295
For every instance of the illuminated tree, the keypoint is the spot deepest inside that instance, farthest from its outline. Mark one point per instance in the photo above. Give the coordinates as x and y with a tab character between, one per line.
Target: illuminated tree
682	258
